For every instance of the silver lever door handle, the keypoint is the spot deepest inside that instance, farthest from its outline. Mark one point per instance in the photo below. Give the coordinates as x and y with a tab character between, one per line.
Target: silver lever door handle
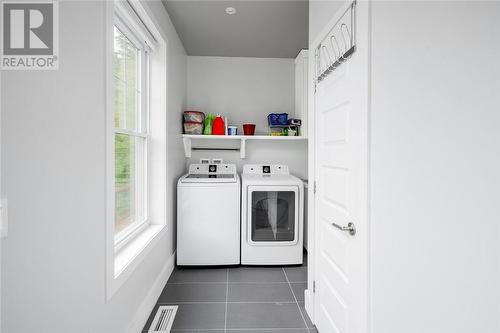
350	228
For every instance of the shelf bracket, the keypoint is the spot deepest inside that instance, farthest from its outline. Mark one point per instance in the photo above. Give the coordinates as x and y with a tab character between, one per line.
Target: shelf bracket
187	147
243	145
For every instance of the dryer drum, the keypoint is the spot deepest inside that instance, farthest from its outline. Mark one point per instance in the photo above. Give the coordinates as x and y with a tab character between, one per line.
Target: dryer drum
273	216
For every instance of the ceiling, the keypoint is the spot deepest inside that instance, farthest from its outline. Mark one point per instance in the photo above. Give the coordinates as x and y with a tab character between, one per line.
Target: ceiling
260	28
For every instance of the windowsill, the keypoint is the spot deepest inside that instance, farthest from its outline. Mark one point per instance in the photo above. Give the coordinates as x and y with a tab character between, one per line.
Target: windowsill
133	253
130	254
128	235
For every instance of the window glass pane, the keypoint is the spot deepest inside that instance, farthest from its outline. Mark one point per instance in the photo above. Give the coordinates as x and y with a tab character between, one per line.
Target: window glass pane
120	102
126	72
126	212
273	216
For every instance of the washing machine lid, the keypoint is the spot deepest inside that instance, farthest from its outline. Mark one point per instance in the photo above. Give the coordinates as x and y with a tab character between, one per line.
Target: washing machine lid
211	173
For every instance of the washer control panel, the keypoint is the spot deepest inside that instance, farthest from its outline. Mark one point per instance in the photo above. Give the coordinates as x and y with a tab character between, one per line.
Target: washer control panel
213	169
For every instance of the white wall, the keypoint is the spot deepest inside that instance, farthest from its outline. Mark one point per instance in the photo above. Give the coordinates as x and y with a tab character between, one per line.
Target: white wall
177	102
53	173
247	90
243	89
435	246
320	12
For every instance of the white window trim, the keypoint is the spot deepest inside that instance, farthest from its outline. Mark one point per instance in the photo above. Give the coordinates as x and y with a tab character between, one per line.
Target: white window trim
132	11
124	255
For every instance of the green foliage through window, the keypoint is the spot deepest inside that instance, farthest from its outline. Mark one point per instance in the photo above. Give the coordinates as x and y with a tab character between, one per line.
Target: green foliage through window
127	97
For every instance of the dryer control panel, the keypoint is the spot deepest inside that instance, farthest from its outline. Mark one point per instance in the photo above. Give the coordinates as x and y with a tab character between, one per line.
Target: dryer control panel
266	169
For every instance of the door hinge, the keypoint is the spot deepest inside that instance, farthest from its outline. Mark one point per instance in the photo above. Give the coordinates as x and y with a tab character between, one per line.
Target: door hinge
314	286
314	187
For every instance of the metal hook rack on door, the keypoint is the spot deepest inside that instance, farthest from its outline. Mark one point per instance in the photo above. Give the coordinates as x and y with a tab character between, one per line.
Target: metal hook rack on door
338	45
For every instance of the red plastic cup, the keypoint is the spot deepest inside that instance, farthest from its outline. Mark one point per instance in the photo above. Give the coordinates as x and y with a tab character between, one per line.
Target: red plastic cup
249	129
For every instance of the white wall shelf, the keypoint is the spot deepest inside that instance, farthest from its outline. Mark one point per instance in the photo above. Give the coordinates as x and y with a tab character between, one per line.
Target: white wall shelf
188	138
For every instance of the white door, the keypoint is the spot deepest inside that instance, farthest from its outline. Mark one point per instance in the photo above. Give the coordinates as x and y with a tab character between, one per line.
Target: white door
341	118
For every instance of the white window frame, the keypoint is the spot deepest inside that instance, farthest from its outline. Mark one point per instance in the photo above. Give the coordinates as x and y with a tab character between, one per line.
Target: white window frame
124	255
142	132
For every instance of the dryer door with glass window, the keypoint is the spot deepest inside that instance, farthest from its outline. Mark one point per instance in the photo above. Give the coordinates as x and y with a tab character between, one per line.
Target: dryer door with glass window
273	215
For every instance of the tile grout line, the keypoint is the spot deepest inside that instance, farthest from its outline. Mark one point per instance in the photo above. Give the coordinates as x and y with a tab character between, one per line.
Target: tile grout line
245	329
222	302
296	302
227	296
222	282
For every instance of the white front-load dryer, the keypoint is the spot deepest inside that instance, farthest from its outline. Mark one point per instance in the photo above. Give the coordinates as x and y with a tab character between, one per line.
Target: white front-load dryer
208	215
272	216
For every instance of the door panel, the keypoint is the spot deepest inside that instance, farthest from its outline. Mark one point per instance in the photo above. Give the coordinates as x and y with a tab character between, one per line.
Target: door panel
335	251
337	179
336	305
338	276
336	120
341	118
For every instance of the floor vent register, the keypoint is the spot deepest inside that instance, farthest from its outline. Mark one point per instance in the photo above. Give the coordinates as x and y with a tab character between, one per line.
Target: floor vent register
164	319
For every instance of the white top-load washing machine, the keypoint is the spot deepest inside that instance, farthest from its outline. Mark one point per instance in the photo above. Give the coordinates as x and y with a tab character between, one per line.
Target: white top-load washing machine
208	215
271	216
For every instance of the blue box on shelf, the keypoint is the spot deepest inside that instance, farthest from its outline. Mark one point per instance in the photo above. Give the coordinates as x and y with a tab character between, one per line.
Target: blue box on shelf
277	119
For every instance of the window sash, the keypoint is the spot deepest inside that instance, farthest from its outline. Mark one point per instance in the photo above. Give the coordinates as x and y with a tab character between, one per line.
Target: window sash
141	195
140	135
142	117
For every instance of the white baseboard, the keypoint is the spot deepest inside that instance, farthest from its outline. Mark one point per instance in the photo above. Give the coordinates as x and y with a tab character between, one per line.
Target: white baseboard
308	304
142	314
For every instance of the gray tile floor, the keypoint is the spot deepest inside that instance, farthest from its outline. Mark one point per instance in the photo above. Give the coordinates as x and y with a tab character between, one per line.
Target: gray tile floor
237	300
